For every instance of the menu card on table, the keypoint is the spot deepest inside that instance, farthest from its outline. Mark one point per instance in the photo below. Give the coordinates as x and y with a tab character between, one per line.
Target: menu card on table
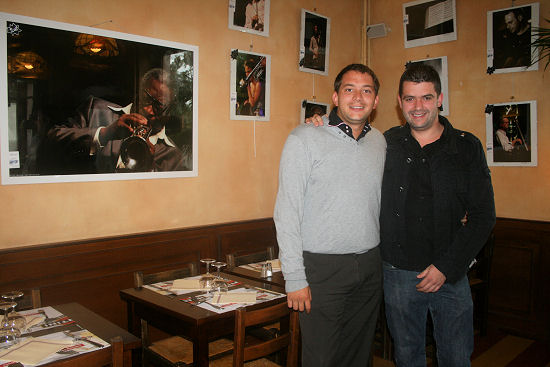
49	336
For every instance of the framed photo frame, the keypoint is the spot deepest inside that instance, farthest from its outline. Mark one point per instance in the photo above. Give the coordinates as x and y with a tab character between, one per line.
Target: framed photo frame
84	89
250	16
314	43
426	22
440	64
250	86
509	37
512	134
310	108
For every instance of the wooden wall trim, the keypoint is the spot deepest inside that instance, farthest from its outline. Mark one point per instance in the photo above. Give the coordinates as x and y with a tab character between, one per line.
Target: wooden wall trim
93	271
519	298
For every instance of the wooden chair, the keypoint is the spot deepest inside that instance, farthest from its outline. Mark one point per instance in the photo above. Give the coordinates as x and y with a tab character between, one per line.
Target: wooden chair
174	350
237	259
31	299
479	278
105	357
252	350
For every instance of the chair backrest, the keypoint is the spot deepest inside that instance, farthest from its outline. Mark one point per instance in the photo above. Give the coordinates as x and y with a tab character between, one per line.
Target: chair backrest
237	259
31	299
288	338
141	279
112	356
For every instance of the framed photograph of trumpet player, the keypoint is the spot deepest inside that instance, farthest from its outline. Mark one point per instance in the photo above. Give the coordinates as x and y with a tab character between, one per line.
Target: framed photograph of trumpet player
426	22
250	16
86	104
310	108
512	134
250	86
314	43
440	65
509	37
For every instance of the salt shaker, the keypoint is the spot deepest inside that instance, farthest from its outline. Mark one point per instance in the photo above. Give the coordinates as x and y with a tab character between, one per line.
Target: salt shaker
269	271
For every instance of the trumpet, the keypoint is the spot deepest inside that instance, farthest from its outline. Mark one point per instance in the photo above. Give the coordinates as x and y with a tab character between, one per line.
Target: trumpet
135	153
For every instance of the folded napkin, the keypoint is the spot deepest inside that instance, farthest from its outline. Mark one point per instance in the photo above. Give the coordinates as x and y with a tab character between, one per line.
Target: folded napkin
233	297
33	350
187	284
33	320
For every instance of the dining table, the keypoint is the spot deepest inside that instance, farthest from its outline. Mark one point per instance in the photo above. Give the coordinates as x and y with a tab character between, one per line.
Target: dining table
177	315
74	316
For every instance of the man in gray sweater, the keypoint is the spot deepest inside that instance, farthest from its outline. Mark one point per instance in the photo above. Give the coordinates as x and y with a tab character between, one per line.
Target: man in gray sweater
326	214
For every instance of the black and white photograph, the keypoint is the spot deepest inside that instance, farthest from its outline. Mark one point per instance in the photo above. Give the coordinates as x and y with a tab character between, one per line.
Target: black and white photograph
512	134
97	105
250	16
310	108
440	65
509	37
250	86
426	22
314	43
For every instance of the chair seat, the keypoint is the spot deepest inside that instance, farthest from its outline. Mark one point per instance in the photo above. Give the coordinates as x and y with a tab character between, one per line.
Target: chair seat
180	350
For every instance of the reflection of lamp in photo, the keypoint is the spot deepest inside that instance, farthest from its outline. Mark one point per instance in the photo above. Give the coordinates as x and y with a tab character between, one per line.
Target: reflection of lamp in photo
27	64
89	44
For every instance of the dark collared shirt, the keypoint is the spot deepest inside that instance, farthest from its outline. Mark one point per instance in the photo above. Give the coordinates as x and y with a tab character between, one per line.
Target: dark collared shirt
335	120
419	202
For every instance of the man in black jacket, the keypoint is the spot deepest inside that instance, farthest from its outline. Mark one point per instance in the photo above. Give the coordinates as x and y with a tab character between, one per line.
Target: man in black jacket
434	176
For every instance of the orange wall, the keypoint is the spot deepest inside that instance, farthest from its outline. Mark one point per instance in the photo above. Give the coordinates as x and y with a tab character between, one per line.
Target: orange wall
520	192
234	183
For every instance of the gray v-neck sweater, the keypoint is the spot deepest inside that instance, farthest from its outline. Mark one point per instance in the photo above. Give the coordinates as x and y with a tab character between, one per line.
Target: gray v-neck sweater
329	196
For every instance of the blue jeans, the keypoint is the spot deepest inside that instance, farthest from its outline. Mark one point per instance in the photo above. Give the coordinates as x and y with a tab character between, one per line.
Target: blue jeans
451	308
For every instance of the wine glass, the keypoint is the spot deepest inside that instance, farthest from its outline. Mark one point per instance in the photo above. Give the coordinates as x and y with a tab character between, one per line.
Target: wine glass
8	333
16	319
219	285
207	279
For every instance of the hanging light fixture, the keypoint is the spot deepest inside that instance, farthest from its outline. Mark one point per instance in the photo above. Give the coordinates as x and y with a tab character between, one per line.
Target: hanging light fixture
27	64
89	44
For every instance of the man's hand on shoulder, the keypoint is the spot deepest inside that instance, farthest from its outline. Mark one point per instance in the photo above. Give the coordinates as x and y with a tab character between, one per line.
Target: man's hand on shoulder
316	120
432	280
300	300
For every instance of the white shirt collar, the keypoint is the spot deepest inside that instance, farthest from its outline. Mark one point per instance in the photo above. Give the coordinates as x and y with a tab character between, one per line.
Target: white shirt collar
161	135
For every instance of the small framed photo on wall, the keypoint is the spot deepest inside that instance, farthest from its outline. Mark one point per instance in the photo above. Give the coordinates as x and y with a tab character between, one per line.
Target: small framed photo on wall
512	134
250	16
310	108
440	65
429	21
509	37
314	43
250	86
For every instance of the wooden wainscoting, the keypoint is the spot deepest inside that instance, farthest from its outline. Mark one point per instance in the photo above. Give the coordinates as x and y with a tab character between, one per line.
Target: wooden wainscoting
519	296
92	272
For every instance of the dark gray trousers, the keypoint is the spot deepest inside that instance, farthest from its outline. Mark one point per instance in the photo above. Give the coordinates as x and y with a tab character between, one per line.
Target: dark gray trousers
346	291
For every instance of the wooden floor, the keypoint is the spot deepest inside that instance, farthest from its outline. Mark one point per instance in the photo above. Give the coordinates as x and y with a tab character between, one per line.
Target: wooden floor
499	349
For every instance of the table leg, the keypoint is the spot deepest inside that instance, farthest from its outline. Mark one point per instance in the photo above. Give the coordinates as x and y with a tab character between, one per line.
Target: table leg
200	350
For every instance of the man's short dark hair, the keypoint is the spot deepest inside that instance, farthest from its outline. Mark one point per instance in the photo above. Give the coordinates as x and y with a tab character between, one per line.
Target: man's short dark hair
363	69
420	73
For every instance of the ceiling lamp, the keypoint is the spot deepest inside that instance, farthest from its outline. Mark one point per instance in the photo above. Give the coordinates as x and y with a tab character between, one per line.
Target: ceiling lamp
89	44
27	64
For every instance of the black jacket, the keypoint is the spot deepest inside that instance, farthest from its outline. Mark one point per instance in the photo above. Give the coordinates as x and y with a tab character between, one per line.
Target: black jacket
461	184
